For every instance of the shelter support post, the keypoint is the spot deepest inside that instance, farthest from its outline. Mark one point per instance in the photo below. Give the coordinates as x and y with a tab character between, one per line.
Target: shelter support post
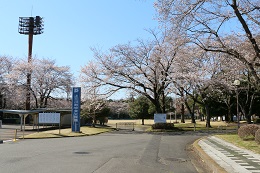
23	116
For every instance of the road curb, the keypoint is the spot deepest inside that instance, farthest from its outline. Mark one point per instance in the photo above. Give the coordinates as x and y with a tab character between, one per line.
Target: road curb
208	161
62	136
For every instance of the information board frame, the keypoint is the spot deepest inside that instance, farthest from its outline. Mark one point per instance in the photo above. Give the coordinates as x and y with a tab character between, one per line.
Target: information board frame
49	118
160	118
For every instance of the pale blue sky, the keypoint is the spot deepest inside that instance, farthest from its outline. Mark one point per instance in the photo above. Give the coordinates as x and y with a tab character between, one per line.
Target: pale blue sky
71	27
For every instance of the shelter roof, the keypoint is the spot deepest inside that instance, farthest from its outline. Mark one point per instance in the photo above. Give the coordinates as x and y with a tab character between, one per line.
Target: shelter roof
33	111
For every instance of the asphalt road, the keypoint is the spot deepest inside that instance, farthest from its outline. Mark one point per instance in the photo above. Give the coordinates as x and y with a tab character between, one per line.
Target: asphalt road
115	152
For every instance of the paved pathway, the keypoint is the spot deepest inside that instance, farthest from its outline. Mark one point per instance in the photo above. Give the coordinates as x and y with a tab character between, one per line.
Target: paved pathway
230	157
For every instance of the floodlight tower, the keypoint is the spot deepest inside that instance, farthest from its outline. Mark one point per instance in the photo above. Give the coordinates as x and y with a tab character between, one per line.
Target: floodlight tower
30	26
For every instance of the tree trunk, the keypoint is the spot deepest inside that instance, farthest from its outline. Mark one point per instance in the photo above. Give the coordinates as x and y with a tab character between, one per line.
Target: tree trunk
94	118
247	108
182	105
191	110
46	99
142	121
163	102
41	101
157	105
182	113
229	117
208	116
45	102
94	121
248	119
36	101
192	113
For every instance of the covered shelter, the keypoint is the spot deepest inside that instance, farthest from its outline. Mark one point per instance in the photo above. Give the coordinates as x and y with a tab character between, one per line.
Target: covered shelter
35	113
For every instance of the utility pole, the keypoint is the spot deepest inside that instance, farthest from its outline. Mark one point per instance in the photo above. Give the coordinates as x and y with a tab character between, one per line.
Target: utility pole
30	26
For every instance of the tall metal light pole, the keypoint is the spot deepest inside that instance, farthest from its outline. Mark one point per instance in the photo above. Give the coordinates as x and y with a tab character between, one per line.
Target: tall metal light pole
30	26
237	83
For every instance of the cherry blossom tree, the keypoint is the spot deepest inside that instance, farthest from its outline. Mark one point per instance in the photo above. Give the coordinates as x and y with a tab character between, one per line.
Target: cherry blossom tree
227	28
222	26
47	79
118	108
202	77
144	68
94	103
6	65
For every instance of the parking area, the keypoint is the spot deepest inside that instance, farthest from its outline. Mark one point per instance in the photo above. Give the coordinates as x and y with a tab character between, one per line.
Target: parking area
8	132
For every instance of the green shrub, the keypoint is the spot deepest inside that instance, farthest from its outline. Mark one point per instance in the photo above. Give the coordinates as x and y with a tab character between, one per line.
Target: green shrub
164	126
257	136
248	131
257	121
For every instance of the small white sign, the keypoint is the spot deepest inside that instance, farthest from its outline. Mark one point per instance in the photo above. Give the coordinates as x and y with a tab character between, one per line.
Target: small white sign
49	118
159	118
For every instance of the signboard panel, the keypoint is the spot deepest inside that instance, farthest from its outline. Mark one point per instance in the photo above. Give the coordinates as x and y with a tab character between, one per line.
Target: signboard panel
75	119
49	118
159	118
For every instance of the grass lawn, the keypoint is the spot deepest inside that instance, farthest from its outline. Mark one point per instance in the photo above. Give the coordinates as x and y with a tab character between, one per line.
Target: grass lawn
249	144
201	125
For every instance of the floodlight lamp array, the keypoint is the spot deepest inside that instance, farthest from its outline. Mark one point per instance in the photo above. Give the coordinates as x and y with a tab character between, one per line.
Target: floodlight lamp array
31	25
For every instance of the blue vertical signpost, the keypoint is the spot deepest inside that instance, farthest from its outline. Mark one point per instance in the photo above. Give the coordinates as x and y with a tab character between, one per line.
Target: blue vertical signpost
75	119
